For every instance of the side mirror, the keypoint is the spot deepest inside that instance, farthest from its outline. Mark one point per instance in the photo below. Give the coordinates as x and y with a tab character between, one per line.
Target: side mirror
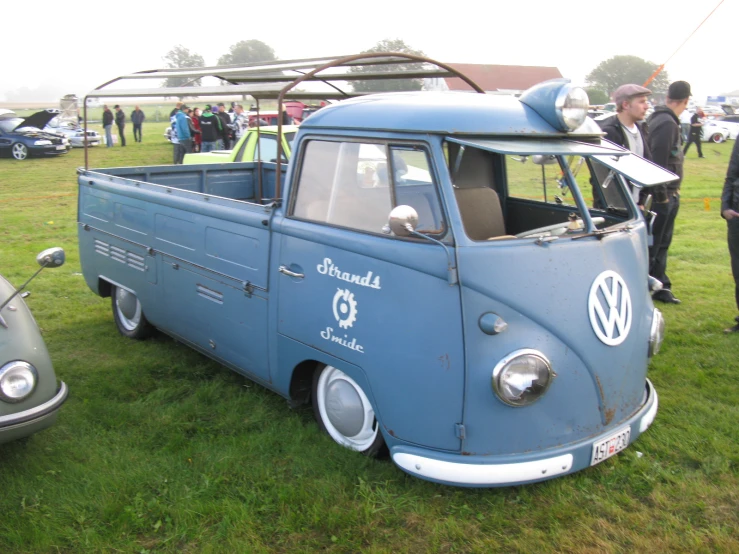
51	257
403	220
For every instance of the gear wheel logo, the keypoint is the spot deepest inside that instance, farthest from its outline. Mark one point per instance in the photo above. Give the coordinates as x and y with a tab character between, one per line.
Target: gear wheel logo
345	308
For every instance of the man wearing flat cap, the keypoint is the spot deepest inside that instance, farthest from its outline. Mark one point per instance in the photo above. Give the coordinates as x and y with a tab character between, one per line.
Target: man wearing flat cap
665	142
625	128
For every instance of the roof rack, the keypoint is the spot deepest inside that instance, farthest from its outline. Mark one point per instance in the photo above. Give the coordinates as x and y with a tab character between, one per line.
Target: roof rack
277	80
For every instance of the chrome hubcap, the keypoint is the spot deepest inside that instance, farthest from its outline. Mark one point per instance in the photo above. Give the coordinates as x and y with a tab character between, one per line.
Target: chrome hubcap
128	308
345	410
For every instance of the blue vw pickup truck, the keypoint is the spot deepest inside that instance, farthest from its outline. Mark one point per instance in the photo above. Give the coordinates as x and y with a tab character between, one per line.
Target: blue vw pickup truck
459	279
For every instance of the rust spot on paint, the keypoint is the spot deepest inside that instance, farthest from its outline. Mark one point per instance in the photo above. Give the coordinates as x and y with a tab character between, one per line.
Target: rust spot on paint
607	413
466	453
390	432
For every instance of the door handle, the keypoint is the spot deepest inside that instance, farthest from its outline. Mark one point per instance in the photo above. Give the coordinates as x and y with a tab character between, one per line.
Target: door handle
289	273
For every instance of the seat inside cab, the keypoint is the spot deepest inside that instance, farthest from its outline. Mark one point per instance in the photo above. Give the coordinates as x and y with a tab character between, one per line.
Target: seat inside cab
478	201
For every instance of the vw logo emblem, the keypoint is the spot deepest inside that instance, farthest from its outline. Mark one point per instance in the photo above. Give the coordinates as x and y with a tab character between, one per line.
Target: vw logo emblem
609	308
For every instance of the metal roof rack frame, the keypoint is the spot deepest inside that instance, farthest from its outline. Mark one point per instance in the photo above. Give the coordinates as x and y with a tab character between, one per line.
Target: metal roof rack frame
275	80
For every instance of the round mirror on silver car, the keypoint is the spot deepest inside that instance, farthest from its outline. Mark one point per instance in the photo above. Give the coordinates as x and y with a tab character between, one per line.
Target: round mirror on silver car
51	257
403	219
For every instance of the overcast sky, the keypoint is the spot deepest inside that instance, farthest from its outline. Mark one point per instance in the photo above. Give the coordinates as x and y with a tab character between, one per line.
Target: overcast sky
72	48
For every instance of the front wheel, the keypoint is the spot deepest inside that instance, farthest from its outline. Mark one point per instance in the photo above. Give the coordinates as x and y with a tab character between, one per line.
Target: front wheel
345	413
128	315
20	151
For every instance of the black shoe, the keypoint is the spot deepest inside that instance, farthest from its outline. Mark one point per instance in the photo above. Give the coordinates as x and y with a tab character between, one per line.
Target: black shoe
666	296
701	156
734	329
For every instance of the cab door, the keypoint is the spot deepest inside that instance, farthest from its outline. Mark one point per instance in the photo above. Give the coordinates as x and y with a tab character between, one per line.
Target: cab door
349	289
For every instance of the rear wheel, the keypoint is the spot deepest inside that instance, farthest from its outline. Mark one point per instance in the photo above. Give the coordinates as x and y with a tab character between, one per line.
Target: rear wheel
717	138
128	315
20	151
345	413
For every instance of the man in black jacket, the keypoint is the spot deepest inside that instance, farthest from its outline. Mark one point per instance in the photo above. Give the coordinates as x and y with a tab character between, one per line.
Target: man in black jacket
120	122
108	126
730	212
665	142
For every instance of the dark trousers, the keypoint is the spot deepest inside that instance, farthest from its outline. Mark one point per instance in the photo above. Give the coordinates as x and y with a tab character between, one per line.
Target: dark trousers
184	147
733	239
694	139
120	134
664	225
137	132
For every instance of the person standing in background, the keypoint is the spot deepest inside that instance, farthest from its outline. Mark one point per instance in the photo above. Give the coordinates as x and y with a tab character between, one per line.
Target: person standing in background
137	118
120	122
665	142
225	126
730	212
694	134
241	121
210	127
197	138
108	126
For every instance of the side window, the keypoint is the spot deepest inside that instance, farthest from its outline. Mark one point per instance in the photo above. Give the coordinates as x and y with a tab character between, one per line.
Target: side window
415	187
266	149
539	178
356	185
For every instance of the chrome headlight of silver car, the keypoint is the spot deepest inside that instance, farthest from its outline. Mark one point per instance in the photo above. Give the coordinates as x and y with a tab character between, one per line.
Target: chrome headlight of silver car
17	381
656	333
522	377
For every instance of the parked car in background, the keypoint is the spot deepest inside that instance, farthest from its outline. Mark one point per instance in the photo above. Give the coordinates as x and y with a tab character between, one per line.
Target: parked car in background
730	123
21	137
30	397
74	132
246	149
715	131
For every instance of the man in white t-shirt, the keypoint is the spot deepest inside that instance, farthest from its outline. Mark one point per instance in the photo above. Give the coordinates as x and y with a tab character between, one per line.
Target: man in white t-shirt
625	127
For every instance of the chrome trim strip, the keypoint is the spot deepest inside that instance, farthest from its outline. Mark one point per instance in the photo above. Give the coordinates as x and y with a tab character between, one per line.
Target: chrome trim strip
39	411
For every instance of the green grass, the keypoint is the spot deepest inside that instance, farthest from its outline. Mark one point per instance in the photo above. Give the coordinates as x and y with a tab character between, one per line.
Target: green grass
159	449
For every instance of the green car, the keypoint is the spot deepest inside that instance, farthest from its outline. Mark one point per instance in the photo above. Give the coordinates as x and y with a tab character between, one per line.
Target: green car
30	397
246	148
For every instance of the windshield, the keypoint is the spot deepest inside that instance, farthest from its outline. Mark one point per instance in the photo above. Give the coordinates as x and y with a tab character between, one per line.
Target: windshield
534	195
8	125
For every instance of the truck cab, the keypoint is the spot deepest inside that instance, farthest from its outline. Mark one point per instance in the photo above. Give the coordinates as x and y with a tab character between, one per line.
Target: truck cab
459	279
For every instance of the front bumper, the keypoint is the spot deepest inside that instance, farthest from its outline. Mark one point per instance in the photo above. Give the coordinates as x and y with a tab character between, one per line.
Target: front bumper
22	424
495	471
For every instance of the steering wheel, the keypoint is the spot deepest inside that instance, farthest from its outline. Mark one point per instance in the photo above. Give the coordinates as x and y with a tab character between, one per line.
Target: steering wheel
554	230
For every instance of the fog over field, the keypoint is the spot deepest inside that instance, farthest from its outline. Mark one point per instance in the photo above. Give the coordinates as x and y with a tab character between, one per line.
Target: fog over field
75	50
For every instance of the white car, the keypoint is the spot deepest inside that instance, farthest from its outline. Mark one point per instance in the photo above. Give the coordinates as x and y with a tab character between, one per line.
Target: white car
730	122
715	131
73	131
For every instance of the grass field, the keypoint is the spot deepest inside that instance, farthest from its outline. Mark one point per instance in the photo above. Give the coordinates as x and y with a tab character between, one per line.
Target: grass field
159	449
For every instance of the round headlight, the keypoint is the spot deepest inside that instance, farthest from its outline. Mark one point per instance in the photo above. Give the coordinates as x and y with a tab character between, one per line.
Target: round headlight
522	377
17	381
657	332
572	106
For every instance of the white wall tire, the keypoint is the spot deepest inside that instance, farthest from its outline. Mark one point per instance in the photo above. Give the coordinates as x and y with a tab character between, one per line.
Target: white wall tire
343	410
128	314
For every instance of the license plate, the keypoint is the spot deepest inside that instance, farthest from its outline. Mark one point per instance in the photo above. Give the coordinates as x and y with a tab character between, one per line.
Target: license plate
610	446
62	147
